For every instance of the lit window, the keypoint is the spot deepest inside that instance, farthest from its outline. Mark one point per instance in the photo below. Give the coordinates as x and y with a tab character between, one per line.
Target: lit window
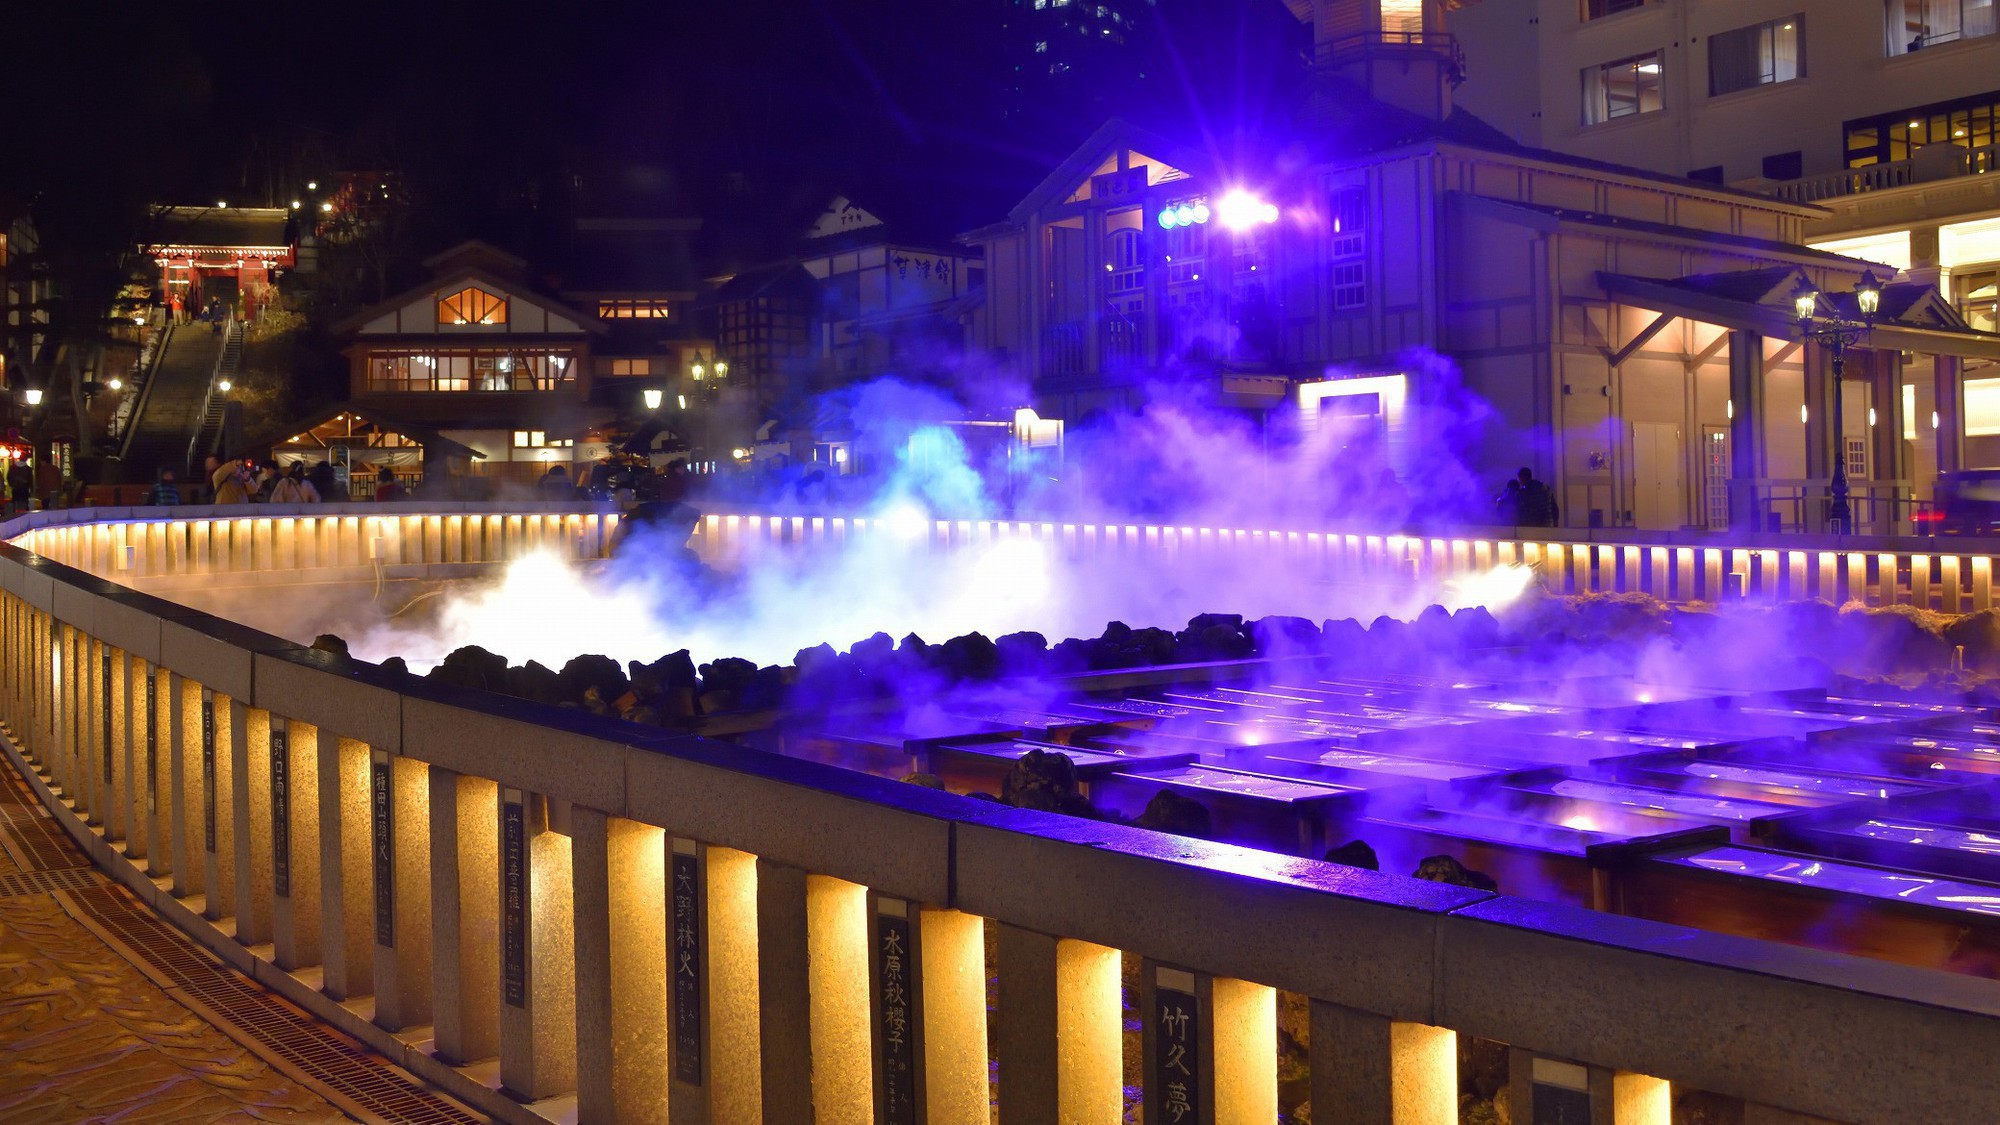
1916	24
472	306
1625	88
1403	17
1760	55
631	367
520	439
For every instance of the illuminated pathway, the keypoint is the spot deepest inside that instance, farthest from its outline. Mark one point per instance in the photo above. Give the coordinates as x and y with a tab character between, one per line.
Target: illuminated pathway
106	1013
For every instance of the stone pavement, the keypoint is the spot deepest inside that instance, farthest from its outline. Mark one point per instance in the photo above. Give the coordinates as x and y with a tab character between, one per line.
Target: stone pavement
108	1014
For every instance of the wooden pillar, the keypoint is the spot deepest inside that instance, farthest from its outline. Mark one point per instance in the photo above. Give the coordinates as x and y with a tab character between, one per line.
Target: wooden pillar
1948	391
1747	453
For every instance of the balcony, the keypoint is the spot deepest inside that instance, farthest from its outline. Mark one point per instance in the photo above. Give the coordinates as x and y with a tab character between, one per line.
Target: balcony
1930	164
1337	53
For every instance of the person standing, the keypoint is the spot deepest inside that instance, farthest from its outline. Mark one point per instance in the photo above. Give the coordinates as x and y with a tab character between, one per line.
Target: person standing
21	485
164	493
232	482
294	488
1538	502
386	488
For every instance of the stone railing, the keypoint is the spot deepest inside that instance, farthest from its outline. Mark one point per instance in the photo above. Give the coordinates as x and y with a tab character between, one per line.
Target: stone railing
549	914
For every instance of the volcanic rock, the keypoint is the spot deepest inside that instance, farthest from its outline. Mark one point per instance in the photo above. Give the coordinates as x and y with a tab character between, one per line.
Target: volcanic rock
395	664
810	660
1889	640
1022	654
1214	620
1168	811
1344	641
472	667
535	682
1215	641
1041	779
1072	655
1284	636
1116	633
1434	630
1476	627
1355	853
970	657
876	655
669	674
1445	869
924	780
592	671
331	642
1979	634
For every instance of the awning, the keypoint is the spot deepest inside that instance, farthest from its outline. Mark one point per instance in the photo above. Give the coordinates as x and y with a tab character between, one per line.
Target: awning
1914	317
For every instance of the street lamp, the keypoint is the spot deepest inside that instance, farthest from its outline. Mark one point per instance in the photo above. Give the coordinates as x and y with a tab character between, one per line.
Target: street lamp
224	386
652	395
1837	331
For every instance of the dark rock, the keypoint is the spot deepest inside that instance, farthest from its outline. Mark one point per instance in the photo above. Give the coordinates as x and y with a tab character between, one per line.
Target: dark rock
331	642
1202	621
1284	636
1040	779
592	671
876	655
1022	654
1072	655
472	667
1153	646
1344	641
727	674
533	681
1116	632
395	664
1476	627
663	677
925	780
1979	634
1168	811
766	690
1355	853
971	657
1445	869
1886	641
809	660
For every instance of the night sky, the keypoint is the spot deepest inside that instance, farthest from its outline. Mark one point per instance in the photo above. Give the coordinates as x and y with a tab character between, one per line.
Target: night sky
748	110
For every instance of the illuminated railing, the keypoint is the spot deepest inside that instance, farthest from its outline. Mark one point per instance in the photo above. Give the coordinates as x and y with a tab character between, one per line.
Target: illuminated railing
1880	571
545	912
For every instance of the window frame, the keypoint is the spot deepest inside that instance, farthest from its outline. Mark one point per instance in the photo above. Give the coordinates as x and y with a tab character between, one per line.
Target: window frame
484	310
1764	46
1595	80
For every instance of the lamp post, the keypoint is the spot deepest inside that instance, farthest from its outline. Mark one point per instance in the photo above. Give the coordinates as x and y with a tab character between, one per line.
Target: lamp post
1837	331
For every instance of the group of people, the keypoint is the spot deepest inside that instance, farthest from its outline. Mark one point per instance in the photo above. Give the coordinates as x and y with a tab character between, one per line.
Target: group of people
1526	502
231	480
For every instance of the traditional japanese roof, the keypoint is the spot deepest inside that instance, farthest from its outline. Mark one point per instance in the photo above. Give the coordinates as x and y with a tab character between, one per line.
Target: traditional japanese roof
426	436
1912	316
512	288
786	279
216	228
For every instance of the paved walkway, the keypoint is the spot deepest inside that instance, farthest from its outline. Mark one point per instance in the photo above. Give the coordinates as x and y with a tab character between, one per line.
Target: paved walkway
108	1014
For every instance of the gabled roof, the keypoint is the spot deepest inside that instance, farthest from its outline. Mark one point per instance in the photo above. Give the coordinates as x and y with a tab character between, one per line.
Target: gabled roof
462	276
786	279
1109	138
429	438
